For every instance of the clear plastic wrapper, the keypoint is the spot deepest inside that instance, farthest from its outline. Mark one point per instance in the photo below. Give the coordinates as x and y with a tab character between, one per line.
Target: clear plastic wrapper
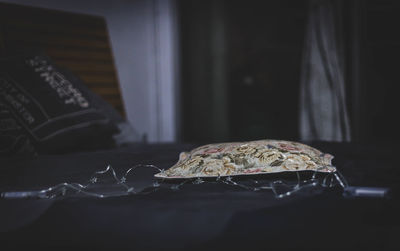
106	183
313	172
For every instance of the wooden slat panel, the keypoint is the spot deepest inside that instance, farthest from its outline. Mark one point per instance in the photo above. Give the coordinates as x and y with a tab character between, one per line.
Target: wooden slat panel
49	39
26	25
33	44
106	91
87	66
45	16
98	79
114	101
76	42
78	54
100	85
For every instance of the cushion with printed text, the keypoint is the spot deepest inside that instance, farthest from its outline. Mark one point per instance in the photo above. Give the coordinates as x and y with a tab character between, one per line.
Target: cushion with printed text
50	109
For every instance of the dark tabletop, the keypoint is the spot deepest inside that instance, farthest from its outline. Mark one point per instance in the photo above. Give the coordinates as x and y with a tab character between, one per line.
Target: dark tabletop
205	216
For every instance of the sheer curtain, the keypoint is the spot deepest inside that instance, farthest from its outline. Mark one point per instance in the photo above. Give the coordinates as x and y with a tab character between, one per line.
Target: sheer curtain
323	110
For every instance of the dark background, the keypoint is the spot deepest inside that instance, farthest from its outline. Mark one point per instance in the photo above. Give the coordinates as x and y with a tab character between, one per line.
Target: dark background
241	63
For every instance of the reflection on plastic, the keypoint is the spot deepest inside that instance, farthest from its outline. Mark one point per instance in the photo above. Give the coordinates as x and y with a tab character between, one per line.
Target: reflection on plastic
105	184
373	192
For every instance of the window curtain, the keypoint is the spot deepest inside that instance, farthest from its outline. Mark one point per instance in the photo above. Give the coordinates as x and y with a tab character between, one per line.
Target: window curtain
323	111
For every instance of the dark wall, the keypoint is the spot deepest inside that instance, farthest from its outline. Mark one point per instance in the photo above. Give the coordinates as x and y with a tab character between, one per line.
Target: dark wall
265	42
241	66
373	52
380	22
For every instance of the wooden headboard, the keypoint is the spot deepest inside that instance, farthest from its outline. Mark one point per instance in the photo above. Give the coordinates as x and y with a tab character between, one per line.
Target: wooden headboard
77	42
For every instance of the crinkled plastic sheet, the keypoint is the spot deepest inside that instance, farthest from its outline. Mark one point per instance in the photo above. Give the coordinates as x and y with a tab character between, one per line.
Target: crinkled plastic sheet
107	183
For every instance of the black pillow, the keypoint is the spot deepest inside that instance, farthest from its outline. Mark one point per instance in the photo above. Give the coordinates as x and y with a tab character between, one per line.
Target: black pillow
52	110
13	139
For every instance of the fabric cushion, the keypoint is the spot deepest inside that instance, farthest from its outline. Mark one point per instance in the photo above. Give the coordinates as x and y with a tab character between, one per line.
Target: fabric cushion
50	107
13	138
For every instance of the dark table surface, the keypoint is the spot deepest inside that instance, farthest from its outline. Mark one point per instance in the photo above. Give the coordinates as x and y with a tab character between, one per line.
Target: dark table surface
205	216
